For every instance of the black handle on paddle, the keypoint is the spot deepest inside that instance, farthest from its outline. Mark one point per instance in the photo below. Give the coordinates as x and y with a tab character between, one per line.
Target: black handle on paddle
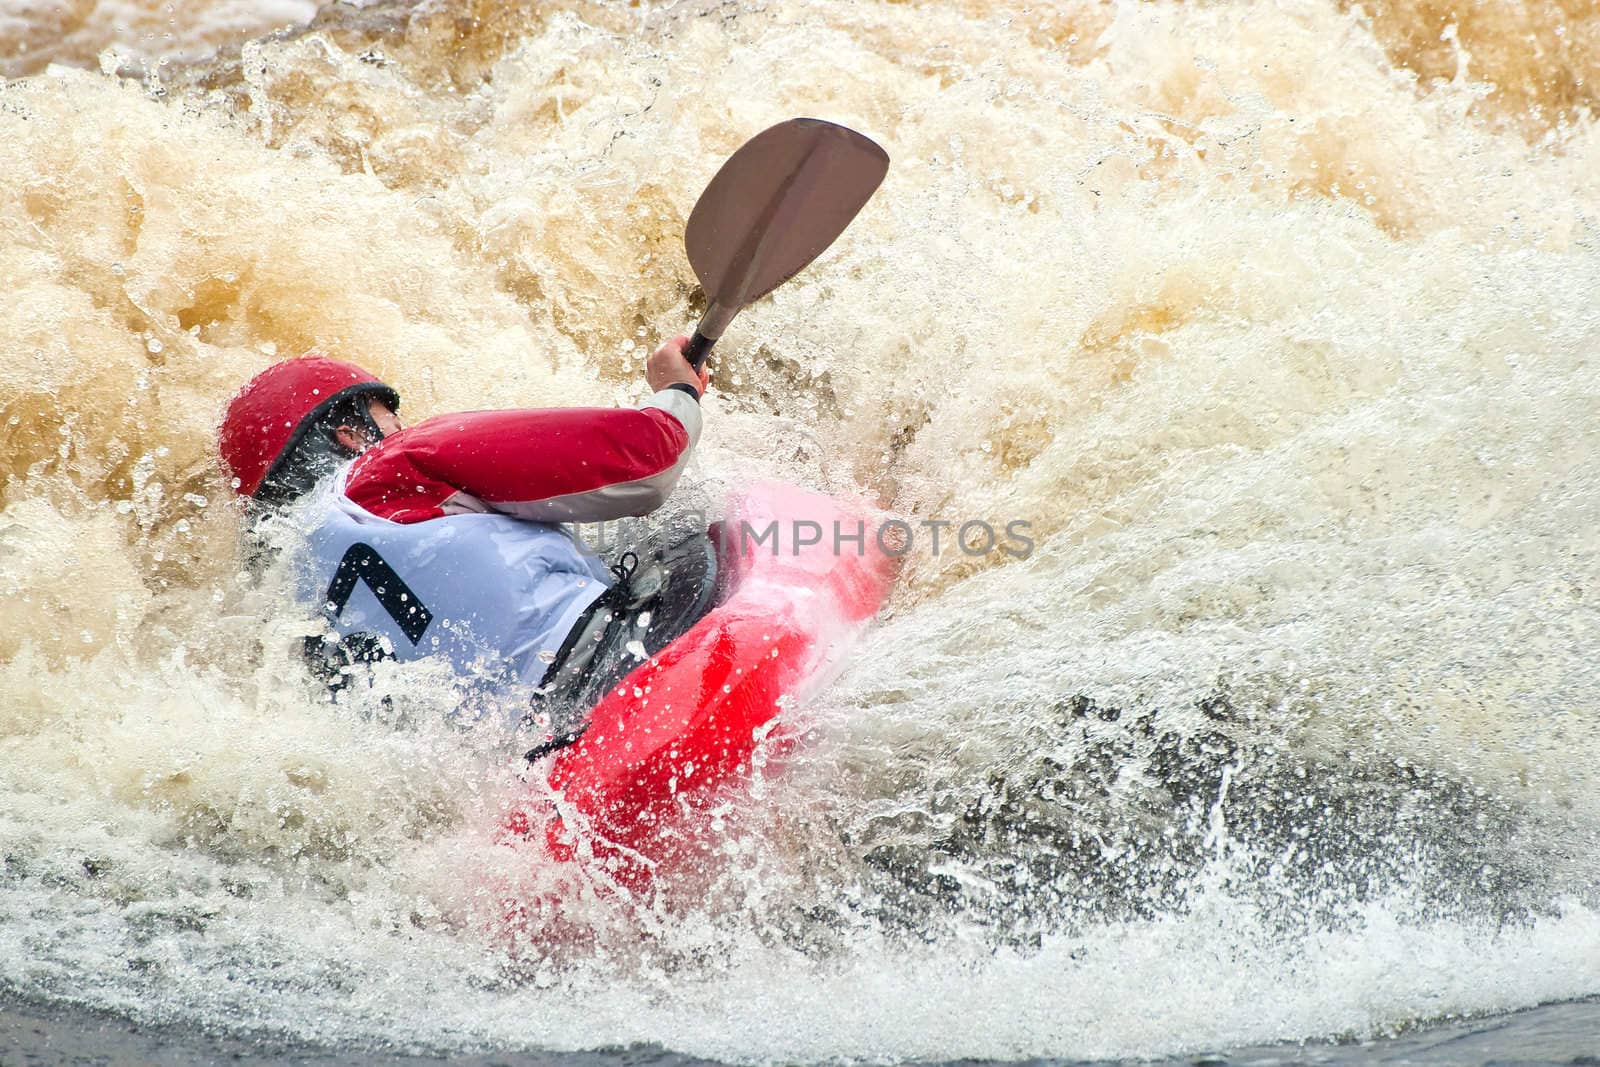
698	348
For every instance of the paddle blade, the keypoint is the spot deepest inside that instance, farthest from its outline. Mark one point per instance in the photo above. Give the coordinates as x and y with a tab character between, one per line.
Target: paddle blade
776	204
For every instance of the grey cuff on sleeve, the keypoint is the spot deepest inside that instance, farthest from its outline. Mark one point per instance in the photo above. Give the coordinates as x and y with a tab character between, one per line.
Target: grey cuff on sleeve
681	406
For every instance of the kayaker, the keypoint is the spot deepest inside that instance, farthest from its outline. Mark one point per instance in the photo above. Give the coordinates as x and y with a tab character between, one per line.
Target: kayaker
448	538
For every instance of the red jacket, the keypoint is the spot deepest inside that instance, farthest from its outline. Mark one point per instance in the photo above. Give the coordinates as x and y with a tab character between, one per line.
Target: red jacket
555	465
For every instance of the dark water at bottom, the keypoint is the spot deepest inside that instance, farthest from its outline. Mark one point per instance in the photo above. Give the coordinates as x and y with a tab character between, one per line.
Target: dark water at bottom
47	1035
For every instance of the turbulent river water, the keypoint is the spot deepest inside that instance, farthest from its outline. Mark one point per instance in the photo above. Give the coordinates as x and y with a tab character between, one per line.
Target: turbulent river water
1275	323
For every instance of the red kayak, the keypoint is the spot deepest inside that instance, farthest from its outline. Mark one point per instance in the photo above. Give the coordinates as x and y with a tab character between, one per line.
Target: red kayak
804	572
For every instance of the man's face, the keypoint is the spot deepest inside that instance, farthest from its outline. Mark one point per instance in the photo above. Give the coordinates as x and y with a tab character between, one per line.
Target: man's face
386	419
356	438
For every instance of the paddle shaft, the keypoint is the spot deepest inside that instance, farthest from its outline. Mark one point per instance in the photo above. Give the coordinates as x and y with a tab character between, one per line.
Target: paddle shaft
712	323
698	348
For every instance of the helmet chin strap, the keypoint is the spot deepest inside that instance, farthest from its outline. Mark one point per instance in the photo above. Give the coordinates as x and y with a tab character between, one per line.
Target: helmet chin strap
374	432
368	429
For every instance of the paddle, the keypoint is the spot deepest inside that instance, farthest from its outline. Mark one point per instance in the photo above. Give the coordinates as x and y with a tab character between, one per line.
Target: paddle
775	205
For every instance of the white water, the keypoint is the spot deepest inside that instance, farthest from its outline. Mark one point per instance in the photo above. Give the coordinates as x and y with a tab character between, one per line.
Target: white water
1276	324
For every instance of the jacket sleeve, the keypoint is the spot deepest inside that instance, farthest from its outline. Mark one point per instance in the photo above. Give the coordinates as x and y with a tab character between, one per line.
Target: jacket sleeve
555	465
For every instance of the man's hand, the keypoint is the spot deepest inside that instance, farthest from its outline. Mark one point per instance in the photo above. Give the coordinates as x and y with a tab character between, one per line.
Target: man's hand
668	367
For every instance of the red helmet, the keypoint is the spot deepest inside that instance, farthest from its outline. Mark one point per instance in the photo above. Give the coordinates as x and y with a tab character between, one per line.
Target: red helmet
278	406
